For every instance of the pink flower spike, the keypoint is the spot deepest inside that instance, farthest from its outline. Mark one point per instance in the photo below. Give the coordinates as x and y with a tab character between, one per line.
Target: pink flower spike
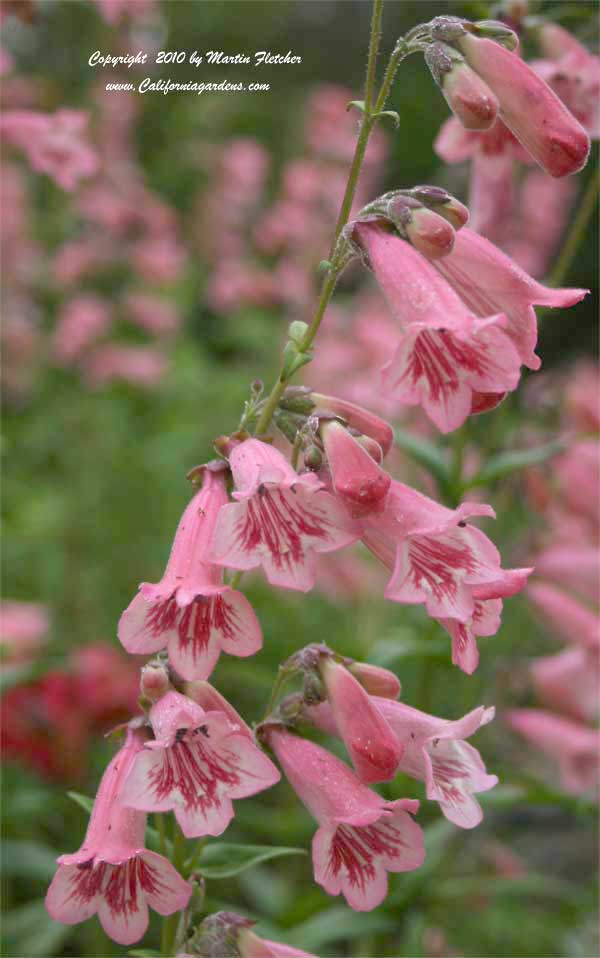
360	836
436	753
190	611
489	282
281	519
197	764
357	479
565	616
445	355
371	744
112	874
528	107
574	747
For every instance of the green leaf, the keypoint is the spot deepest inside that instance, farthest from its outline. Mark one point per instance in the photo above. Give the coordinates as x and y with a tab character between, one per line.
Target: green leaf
29	930
358	104
338	924
144	953
221	860
427	455
508	462
395	117
27	859
84	801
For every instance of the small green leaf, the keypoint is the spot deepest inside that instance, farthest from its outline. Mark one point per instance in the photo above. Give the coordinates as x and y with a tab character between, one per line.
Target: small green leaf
297	331
84	801
393	115
221	860
358	104
427	455
508	462
27	859
338	924
324	266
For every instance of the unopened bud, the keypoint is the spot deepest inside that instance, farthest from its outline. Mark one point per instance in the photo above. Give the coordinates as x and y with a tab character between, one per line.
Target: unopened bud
359	418
469	98
448	29
495	30
313	458
288	423
297	399
376	680
373	448
356	478
154	681
443	203
430	234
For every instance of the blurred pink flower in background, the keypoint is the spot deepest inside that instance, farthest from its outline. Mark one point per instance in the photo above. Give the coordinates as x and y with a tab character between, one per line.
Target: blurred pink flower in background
82	321
24	630
54	143
115	10
142	366
573	748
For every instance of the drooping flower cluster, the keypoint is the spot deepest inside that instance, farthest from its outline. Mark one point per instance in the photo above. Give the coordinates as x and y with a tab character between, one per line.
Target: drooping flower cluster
465	325
526	215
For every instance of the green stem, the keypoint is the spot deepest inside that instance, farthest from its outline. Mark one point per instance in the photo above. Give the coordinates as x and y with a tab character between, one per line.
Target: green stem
584	213
170	924
329	283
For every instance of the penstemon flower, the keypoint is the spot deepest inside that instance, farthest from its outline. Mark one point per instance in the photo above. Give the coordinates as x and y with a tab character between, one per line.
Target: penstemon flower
437	558
360	837
280	519
113	874
190	611
196	765
446	356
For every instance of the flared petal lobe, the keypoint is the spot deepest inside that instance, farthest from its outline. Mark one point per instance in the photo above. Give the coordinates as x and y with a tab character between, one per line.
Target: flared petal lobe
280	521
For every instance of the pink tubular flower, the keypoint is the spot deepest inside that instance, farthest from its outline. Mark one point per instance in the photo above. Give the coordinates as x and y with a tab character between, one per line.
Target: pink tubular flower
485	619
356	478
53	143
569	682
573	73
112	873
373	748
360	836
568	618
190	610
446	356
574	747
528	107
436	557
489	282
435	753
281	519
197	764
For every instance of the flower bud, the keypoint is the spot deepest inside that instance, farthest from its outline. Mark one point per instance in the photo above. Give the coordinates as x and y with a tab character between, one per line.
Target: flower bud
373	748
430	234
373	448
357	479
376	680
443	203
469	98
313	458
154	681
497	31
358	418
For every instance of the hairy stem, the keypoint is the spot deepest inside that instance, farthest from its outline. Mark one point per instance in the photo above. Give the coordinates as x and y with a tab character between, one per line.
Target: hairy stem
367	122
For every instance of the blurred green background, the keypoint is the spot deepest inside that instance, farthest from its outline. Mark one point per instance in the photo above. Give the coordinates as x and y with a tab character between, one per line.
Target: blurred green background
94	484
